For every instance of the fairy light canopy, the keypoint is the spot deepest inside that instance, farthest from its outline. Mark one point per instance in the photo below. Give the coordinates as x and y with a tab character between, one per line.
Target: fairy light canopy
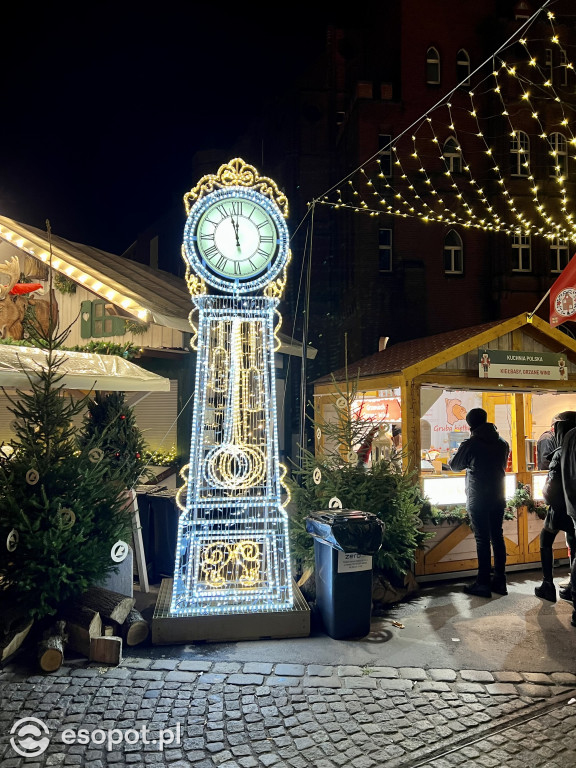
492	154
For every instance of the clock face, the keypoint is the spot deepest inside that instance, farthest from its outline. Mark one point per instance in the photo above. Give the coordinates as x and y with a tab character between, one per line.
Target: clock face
236	236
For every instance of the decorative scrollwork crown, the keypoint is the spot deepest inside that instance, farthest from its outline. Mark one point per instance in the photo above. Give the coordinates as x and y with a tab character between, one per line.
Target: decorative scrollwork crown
237	173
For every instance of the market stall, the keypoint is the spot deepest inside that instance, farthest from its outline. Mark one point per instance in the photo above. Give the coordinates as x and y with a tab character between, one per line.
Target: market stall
520	370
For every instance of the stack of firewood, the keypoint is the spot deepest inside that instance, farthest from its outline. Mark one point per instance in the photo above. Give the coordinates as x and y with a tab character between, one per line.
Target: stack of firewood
96	625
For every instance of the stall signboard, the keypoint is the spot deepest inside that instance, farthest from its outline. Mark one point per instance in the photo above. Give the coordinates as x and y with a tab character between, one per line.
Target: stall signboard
511	364
376	409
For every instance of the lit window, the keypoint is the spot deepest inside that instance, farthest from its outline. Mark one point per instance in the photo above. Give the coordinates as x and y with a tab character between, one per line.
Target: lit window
432	66
385	250
558	254
520	154
385	155
521	253
558	155
452	156
463	68
453	254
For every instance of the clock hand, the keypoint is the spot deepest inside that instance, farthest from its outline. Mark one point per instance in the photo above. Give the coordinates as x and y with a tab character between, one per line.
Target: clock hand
235	225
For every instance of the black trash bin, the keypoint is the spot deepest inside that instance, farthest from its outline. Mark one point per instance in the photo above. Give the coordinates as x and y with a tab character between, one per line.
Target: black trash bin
344	542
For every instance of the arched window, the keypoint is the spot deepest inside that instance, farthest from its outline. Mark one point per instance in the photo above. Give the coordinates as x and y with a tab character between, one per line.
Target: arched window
453	254
463	68
432	66
520	154
452	155
559	155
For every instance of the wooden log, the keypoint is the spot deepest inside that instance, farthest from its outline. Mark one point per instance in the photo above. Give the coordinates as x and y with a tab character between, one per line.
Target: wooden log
135	628
51	647
112	606
106	650
82	624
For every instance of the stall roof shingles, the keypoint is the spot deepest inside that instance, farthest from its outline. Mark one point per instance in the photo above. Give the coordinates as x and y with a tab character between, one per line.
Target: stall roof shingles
400	356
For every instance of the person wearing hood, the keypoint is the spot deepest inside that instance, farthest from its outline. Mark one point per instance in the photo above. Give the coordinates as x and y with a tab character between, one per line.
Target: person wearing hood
484	457
568	471
557	518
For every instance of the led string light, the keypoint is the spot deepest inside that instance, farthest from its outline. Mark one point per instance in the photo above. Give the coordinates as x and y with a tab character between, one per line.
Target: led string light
62	266
232	549
481	195
563	124
514	218
233	553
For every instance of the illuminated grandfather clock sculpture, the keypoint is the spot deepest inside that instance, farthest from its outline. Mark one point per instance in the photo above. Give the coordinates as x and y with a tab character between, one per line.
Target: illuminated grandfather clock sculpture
233	553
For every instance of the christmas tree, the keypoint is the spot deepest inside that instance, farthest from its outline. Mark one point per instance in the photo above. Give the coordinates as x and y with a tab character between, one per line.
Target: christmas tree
63	516
111	420
340	471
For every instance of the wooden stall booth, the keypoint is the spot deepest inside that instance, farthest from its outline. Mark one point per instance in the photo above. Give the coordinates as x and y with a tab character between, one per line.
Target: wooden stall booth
520	370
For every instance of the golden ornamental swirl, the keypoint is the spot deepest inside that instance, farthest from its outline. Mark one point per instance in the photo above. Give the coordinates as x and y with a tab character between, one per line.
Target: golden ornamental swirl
275	288
237	173
183	490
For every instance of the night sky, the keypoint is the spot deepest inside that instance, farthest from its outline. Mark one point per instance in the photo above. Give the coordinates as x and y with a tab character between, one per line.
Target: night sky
105	104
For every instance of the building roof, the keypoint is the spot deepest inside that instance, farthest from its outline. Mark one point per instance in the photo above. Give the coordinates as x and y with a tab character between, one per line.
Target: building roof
400	356
163	295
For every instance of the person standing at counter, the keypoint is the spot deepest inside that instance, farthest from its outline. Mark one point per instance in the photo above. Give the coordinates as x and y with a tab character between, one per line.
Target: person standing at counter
557	518
484	456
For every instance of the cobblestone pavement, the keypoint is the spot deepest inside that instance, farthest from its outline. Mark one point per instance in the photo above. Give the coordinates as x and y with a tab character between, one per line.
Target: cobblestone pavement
202	714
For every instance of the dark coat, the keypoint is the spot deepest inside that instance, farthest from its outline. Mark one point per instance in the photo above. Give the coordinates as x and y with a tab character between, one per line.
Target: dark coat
484	457
568	464
544	447
553	491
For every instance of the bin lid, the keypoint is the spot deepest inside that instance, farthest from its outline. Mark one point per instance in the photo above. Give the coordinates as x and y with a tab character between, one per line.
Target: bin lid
349	530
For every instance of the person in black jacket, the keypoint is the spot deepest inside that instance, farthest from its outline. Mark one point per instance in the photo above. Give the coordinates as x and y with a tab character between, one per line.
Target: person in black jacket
568	468
557	518
484	457
545	446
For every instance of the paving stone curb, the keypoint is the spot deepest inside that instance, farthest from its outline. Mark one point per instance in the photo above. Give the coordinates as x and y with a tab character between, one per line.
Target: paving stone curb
534	685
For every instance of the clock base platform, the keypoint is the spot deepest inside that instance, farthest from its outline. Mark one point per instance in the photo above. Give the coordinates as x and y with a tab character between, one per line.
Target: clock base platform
175	630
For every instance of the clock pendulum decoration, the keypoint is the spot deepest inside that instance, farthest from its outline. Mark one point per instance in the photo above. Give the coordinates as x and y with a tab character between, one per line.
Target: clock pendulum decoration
232	549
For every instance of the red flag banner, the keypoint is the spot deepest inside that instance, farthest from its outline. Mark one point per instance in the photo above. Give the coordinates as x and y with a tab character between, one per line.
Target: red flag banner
563	295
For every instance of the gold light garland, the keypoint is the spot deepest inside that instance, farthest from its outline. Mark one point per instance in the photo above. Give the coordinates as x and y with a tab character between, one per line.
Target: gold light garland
413	192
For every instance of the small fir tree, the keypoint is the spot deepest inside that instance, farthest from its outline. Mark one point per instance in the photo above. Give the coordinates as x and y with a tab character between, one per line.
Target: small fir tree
62	507
340	471
111	420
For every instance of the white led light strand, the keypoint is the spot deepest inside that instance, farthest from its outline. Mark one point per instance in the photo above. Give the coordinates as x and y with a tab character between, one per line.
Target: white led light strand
232	552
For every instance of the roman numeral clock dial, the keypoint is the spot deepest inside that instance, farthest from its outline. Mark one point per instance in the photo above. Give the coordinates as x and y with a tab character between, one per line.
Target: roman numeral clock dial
236	239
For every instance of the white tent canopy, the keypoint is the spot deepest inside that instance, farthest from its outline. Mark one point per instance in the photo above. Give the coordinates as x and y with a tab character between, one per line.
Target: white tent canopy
81	370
